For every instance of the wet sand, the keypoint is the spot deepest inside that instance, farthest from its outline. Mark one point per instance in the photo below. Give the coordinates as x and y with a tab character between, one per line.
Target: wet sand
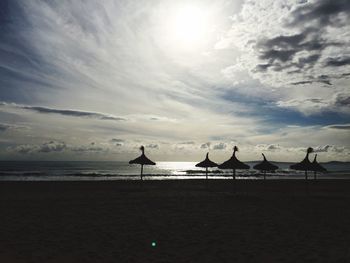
190	221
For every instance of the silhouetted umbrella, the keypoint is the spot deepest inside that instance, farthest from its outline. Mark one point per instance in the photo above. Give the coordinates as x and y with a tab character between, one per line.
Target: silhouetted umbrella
233	163
205	164
143	160
304	165
265	166
316	167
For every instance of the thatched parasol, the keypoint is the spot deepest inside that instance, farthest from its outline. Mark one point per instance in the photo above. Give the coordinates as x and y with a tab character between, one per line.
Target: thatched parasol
304	165
265	166
233	163
143	160
205	164
316	167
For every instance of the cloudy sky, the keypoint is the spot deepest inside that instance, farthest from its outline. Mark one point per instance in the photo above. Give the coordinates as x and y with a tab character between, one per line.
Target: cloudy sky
94	80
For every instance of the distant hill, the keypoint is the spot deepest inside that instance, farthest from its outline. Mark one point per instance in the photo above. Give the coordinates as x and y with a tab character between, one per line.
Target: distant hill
335	162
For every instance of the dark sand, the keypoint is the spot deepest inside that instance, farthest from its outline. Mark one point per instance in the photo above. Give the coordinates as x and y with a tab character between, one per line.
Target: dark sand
272	221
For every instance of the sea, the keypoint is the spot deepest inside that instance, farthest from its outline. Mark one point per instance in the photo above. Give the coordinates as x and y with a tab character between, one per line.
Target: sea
102	171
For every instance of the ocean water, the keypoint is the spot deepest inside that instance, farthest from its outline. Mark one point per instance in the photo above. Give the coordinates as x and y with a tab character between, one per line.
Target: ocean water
55	170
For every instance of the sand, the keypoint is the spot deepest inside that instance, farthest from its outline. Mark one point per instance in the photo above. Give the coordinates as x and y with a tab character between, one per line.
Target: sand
189	221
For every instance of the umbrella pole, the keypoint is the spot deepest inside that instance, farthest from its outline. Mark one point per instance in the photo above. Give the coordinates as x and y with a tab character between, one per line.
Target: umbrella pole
305	174
264	175
233	174
141	171
206	173
314	175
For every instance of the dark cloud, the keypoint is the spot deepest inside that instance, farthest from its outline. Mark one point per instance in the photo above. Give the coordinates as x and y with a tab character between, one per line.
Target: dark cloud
220	146
187	143
339	126
205	145
338	62
52	146
324	81
22	149
309	60
56	146
117	140
321	12
88	148
311	19
302	82
286	42
342	100
280	55
280	51
4	127
272	147
153	146
71	113
267	147
263	67
46	147
328	148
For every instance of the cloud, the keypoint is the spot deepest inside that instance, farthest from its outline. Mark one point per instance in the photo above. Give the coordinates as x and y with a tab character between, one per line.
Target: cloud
152	146
23	149
339	101
187	143
267	147
87	149
52	146
220	146
329	148
299	50
339	126
205	145
280	51
342	99
337	62
117	142
74	113
56	147
46	147
4	127
321	13
64	112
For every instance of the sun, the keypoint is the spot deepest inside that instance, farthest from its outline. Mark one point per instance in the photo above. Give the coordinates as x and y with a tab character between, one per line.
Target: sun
184	27
189	25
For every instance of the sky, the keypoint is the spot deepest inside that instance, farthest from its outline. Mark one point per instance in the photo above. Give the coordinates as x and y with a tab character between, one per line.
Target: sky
96	79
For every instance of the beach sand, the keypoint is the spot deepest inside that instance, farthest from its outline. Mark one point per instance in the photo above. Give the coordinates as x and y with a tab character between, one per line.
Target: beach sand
189	221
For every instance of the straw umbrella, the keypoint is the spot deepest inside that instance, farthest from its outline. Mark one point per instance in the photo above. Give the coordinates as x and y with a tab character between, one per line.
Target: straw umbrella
205	164
304	165
265	166
233	163
316	167
143	160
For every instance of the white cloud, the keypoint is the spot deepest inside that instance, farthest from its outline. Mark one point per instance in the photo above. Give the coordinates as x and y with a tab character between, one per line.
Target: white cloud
292	56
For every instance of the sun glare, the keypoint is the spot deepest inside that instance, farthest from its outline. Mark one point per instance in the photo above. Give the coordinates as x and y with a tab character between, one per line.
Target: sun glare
189	25
184	27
